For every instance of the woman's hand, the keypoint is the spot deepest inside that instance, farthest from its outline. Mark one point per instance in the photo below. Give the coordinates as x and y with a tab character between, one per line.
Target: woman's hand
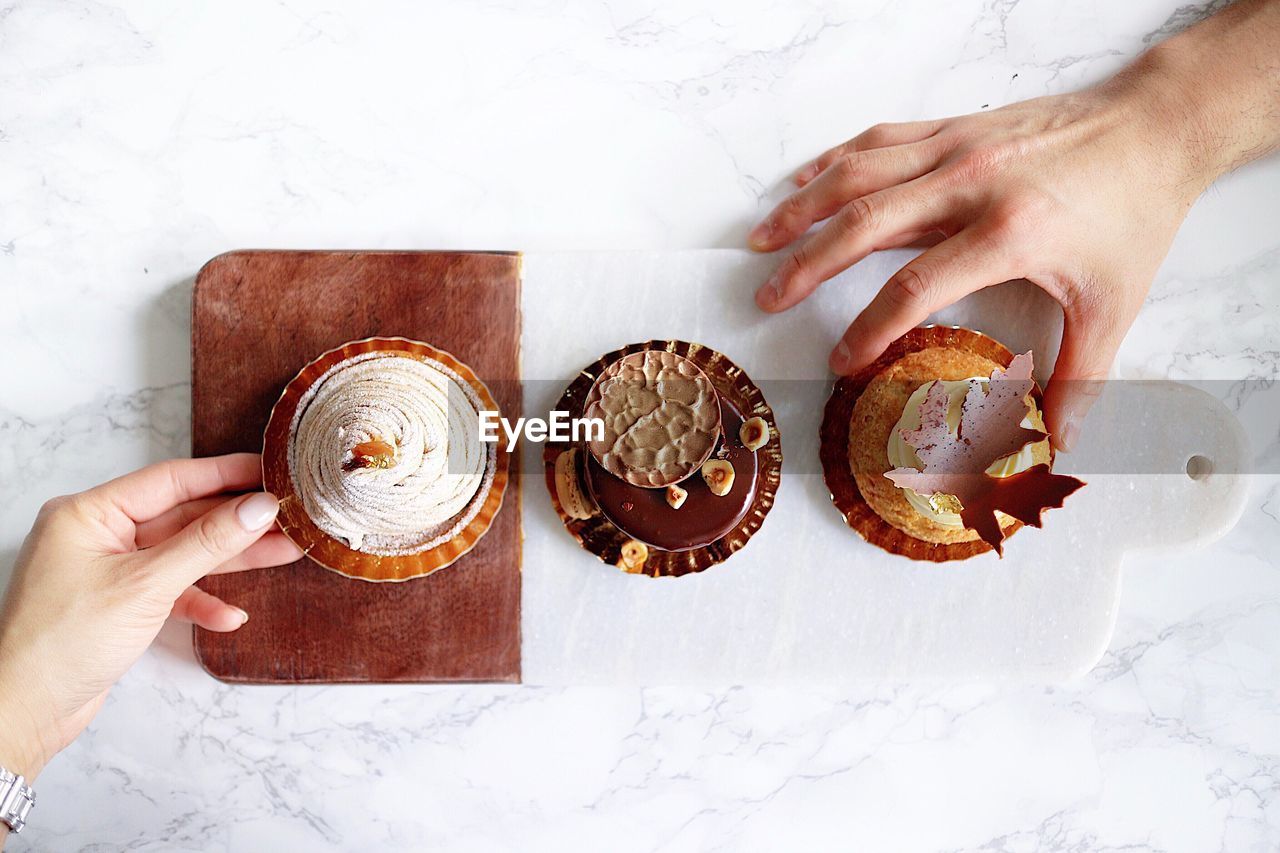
102	570
1080	193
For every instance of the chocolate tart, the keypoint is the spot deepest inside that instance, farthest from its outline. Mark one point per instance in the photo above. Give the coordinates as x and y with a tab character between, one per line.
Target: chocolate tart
853	438
669	551
331	552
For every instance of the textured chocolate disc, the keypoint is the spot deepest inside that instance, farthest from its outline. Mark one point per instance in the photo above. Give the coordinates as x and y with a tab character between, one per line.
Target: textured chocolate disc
702	518
603	538
661	418
837	433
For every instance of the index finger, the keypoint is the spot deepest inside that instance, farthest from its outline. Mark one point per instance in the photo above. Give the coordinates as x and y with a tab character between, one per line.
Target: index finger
152	491
885	219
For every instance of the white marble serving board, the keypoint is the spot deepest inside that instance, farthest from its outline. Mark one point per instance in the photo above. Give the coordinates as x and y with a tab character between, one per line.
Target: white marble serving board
807	600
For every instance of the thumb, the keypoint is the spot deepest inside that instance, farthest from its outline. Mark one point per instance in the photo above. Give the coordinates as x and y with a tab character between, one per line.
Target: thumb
215	537
1089	346
944	274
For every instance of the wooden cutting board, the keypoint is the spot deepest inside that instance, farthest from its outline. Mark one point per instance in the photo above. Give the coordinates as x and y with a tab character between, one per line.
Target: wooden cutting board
257	318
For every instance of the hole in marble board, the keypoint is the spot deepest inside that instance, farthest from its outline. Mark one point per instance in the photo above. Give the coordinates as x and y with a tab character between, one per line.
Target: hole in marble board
1199	467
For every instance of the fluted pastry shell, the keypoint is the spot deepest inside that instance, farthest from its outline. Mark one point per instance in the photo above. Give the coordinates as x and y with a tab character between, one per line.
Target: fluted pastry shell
601	537
334	554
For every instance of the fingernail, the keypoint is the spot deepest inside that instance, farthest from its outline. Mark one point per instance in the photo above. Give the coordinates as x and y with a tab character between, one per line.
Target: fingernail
839	361
244	616
770	293
759	236
1068	434
807	174
257	511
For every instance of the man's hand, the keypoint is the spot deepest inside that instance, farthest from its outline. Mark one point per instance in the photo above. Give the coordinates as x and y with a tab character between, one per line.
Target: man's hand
1081	194
99	574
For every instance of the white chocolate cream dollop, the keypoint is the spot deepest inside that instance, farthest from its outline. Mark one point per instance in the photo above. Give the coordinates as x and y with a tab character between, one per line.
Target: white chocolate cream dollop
385	453
903	455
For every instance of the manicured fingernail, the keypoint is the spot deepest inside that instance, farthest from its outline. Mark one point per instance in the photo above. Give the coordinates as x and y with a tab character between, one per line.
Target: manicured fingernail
839	361
1068	434
759	236
244	616
257	511
807	174
770	293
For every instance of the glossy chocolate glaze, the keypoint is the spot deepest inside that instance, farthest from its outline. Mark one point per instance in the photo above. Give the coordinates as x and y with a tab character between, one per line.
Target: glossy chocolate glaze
645	515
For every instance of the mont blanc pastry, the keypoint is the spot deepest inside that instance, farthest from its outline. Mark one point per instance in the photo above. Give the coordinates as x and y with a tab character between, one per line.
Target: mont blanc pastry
383	457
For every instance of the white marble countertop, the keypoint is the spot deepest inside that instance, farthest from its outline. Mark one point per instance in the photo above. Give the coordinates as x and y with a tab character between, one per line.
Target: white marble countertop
139	139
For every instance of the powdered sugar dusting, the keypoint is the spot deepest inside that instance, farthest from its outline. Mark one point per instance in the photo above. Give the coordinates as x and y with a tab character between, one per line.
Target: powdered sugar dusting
440	473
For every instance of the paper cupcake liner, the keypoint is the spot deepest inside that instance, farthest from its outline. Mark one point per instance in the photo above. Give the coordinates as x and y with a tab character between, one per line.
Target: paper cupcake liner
834	445
332	553
601	537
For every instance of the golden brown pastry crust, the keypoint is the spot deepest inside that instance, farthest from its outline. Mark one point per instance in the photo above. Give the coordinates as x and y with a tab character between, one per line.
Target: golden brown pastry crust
874	416
859	416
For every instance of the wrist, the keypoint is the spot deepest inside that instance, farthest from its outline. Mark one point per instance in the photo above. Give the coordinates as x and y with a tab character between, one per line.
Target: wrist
22	745
1209	92
1175	119
27	740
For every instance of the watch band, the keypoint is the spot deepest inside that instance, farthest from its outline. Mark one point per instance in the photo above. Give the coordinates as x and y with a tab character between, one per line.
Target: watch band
16	800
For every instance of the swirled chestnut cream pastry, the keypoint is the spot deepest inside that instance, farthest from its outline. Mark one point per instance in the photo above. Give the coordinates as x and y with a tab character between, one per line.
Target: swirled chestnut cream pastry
385	453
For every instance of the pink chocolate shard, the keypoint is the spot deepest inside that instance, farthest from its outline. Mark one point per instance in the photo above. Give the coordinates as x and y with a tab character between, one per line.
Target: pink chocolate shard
990	429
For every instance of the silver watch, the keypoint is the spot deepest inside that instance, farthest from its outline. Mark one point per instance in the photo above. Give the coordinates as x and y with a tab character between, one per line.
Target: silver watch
16	800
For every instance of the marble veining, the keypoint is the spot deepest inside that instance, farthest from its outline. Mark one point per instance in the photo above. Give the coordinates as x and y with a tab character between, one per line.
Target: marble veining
138	139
